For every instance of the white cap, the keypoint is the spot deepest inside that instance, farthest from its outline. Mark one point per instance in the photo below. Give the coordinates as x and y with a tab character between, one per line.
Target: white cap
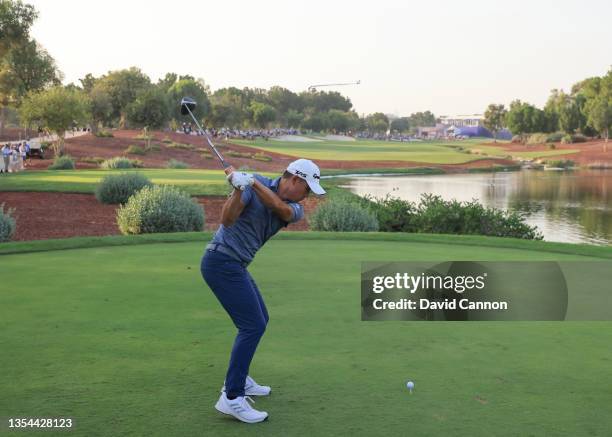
307	170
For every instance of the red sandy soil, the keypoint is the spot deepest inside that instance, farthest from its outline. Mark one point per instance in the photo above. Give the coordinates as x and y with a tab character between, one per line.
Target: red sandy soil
91	146
40	216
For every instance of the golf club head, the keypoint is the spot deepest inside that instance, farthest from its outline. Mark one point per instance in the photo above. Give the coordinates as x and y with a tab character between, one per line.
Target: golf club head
187	104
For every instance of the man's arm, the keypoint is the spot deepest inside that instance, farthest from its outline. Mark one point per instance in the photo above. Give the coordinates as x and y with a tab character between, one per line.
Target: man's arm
232	208
271	200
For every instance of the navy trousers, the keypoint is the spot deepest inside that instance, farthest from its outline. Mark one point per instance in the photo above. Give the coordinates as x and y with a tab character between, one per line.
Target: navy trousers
237	292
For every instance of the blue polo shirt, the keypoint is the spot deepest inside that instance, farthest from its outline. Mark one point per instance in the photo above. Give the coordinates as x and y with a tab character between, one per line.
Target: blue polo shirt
256	224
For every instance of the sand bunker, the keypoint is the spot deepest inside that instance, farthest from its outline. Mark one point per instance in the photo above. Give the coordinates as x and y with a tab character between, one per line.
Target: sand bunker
296	139
337	138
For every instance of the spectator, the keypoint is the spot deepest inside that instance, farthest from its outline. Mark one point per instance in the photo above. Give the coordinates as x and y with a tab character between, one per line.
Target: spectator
6	158
23	155
28	151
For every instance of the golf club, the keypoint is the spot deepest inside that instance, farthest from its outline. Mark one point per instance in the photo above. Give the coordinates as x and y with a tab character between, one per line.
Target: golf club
187	105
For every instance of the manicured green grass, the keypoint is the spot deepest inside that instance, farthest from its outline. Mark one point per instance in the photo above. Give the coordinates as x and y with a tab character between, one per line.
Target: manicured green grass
433	152
128	340
195	182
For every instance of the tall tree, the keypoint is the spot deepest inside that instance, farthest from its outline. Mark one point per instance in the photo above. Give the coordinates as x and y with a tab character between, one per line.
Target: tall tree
123	86
197	90
55	109
598	107
494	118
16	18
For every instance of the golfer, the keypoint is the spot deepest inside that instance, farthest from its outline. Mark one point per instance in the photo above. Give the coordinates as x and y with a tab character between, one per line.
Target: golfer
256	210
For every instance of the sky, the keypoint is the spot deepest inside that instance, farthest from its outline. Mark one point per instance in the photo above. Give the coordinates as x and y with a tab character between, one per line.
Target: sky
445	56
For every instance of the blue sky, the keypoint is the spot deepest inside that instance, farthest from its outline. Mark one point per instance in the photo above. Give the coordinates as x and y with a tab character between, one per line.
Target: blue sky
444	56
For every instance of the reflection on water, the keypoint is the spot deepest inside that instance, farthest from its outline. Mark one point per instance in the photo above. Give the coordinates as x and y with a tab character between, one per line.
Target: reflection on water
569	206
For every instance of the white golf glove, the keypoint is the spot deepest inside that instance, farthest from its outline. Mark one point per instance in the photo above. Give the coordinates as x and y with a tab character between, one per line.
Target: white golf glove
240	180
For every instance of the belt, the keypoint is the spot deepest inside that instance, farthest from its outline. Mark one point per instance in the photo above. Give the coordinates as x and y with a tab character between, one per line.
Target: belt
217	247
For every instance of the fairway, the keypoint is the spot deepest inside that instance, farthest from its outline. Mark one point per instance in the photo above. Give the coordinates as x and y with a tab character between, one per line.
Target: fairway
434	152
128	340
195	182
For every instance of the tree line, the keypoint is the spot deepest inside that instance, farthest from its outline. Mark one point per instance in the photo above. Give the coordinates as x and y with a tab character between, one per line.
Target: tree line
586	110
30	86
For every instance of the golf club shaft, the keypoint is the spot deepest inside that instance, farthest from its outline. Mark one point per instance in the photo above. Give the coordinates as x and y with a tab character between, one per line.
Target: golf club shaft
212	146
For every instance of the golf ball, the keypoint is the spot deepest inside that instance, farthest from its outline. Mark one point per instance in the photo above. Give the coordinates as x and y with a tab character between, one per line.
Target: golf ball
410	385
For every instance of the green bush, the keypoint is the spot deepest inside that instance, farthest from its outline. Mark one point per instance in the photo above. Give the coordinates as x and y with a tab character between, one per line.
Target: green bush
173	163
135	150
117	162
104	134
236	154
7	224
160	209
180	146
438	216
567	139
260	156
118	188
554	137
551	146
561	163
537	138
92	160
137	163
343	216
578	138
62	163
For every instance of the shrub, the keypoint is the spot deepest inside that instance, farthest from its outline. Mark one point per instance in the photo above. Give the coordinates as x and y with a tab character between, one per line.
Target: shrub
236	154
104	134
554	137
160	209
537	138
578	138
560	163
155	147
166	140
135	150
7	224
173	163
137	163
567	139
261	157
436	215
118	188
551	146
62	163
517	139
180	146
92	160
206	155
343	216
117	162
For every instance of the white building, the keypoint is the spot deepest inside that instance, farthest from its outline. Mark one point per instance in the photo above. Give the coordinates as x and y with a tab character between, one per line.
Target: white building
462	120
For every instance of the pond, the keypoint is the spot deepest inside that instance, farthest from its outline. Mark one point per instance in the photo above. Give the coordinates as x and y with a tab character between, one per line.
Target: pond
567	206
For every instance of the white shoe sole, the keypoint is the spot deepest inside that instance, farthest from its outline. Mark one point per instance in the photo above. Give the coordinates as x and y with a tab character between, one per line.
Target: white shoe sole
220	409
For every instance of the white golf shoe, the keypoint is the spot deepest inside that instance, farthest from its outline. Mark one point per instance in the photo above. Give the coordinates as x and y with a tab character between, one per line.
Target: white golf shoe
240	409
251	388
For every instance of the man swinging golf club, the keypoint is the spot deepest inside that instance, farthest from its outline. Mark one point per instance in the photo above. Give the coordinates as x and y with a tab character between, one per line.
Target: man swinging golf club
256	210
